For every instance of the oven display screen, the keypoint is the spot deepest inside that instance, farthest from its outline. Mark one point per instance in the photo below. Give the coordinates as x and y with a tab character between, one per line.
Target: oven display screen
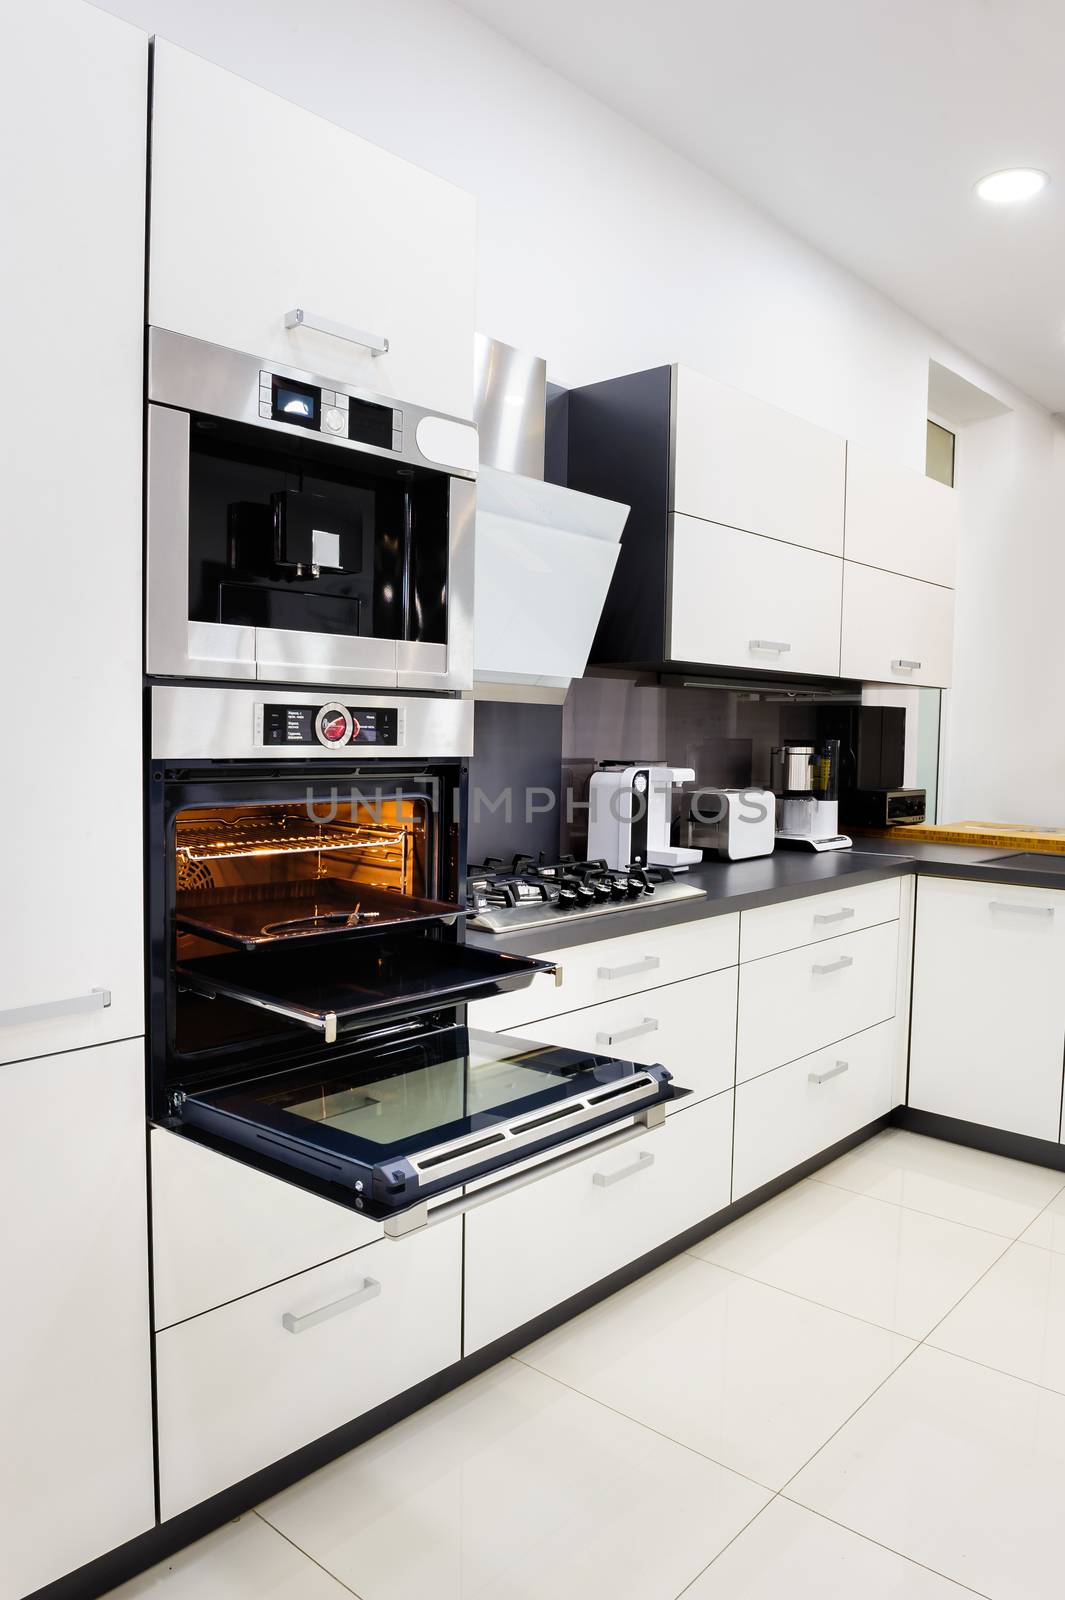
377	725
296	402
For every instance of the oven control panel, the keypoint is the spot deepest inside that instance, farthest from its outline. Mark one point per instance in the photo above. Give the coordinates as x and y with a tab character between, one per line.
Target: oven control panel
329	411
332	726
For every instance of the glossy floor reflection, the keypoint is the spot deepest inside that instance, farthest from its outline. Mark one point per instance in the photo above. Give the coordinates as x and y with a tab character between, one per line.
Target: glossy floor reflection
856	1390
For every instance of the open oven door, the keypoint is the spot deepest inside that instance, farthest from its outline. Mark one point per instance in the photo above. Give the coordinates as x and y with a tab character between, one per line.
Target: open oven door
387	1127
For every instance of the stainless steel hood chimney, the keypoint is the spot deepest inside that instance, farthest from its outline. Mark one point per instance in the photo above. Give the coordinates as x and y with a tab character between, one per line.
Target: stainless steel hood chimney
545	554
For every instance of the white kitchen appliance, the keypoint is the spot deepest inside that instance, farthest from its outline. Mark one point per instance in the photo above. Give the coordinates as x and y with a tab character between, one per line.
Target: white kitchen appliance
806	782
630	816
745	824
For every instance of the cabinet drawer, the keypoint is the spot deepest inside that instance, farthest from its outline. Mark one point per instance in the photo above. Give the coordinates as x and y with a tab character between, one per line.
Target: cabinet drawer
221	1230
786	1116
689	1028
895	630
900	519
801	1000
531	1249
742	601
244	1385
989	1005
770	929
611	968
751	465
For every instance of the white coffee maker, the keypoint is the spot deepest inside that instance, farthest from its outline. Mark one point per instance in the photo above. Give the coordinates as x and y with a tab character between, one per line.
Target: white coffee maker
630	816
806	784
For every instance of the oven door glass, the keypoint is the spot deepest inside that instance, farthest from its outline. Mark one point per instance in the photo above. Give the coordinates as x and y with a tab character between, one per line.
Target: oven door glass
393	1127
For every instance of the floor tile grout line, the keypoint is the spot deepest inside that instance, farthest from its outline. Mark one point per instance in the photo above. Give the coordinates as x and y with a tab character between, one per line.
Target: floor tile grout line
738	1534
793	1294
1001	1372
997	1233
637	1423
312	1559
879	1543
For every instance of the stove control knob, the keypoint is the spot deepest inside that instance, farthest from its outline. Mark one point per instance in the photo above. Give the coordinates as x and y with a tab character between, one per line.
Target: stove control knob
334	725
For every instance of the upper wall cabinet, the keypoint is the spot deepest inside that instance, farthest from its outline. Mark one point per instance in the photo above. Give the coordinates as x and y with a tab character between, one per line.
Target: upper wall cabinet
899	519
259	208
70	617
895	630
749	465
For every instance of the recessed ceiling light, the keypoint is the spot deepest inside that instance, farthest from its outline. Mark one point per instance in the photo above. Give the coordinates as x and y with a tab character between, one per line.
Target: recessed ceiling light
1011	185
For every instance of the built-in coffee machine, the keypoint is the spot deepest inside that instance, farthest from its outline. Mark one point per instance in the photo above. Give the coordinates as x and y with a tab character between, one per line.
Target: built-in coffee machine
872	765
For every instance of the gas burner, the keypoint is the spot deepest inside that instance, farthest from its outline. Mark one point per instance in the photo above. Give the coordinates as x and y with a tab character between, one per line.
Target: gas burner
533	891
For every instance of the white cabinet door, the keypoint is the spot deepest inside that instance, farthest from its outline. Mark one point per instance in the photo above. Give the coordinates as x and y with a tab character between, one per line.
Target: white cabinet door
71	418
989	1005
260	207
895	630
768	930
899	519
221	1230
742	601
529	1250
688	1028
76	1472
246	1384
750	465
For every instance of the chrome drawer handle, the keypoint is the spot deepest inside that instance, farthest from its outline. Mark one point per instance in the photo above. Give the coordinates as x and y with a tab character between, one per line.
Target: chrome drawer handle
637	1031
820	969
645	1159
78	1005
376	343
1024	911
905	666
834	916
648	964
369	1291
775	647
833	1072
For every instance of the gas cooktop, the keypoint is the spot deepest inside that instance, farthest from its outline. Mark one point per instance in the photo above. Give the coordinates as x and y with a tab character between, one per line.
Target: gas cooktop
534	893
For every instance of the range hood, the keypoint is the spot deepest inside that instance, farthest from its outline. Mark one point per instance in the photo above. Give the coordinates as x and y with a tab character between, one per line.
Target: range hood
544	554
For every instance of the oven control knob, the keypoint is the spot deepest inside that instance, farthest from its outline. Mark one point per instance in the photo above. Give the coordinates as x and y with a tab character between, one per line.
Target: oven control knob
333	420
334	724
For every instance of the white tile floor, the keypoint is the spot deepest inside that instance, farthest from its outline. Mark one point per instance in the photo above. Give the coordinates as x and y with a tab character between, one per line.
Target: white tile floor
857	1390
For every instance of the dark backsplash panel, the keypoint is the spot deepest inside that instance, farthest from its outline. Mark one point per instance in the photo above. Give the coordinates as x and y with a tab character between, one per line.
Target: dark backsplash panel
517	757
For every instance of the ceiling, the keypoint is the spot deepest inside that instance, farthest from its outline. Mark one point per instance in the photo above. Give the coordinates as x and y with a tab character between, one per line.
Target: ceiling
862	126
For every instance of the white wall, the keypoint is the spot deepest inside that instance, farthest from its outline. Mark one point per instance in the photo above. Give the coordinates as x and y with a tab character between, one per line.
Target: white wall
605	252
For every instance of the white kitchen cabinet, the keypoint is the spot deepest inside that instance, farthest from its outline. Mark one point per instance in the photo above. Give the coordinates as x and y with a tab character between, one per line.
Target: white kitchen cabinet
250	1382
895	630
747	464
899	519
689	1028
804	999
786	1116
740	600
73	88
770	929
76	1472
529	1250
988	1025
259	207
221	1229
611	968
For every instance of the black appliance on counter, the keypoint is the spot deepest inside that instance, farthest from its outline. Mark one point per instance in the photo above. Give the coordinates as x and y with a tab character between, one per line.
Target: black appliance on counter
308	966
872	765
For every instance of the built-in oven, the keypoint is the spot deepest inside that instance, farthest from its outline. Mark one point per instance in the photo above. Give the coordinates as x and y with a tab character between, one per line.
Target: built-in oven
309	974
300	530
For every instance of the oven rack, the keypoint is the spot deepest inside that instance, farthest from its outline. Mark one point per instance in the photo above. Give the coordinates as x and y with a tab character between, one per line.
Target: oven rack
244	836
262	916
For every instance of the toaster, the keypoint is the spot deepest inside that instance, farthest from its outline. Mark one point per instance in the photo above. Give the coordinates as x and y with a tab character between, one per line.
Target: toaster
745	826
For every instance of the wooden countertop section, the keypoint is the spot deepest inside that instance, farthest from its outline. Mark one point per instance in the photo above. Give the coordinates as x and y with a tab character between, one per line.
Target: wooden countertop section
1004	835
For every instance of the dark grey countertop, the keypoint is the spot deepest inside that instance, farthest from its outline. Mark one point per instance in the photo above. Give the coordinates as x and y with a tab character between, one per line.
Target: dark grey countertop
785	875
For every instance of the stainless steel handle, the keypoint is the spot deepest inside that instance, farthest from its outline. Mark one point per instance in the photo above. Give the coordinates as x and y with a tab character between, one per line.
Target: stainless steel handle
369	1291
1024	911
834	916
645	1159
648	964
637	1031
833	1072
376	343
76	1006
905	666
776	646
422	1216
819	969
